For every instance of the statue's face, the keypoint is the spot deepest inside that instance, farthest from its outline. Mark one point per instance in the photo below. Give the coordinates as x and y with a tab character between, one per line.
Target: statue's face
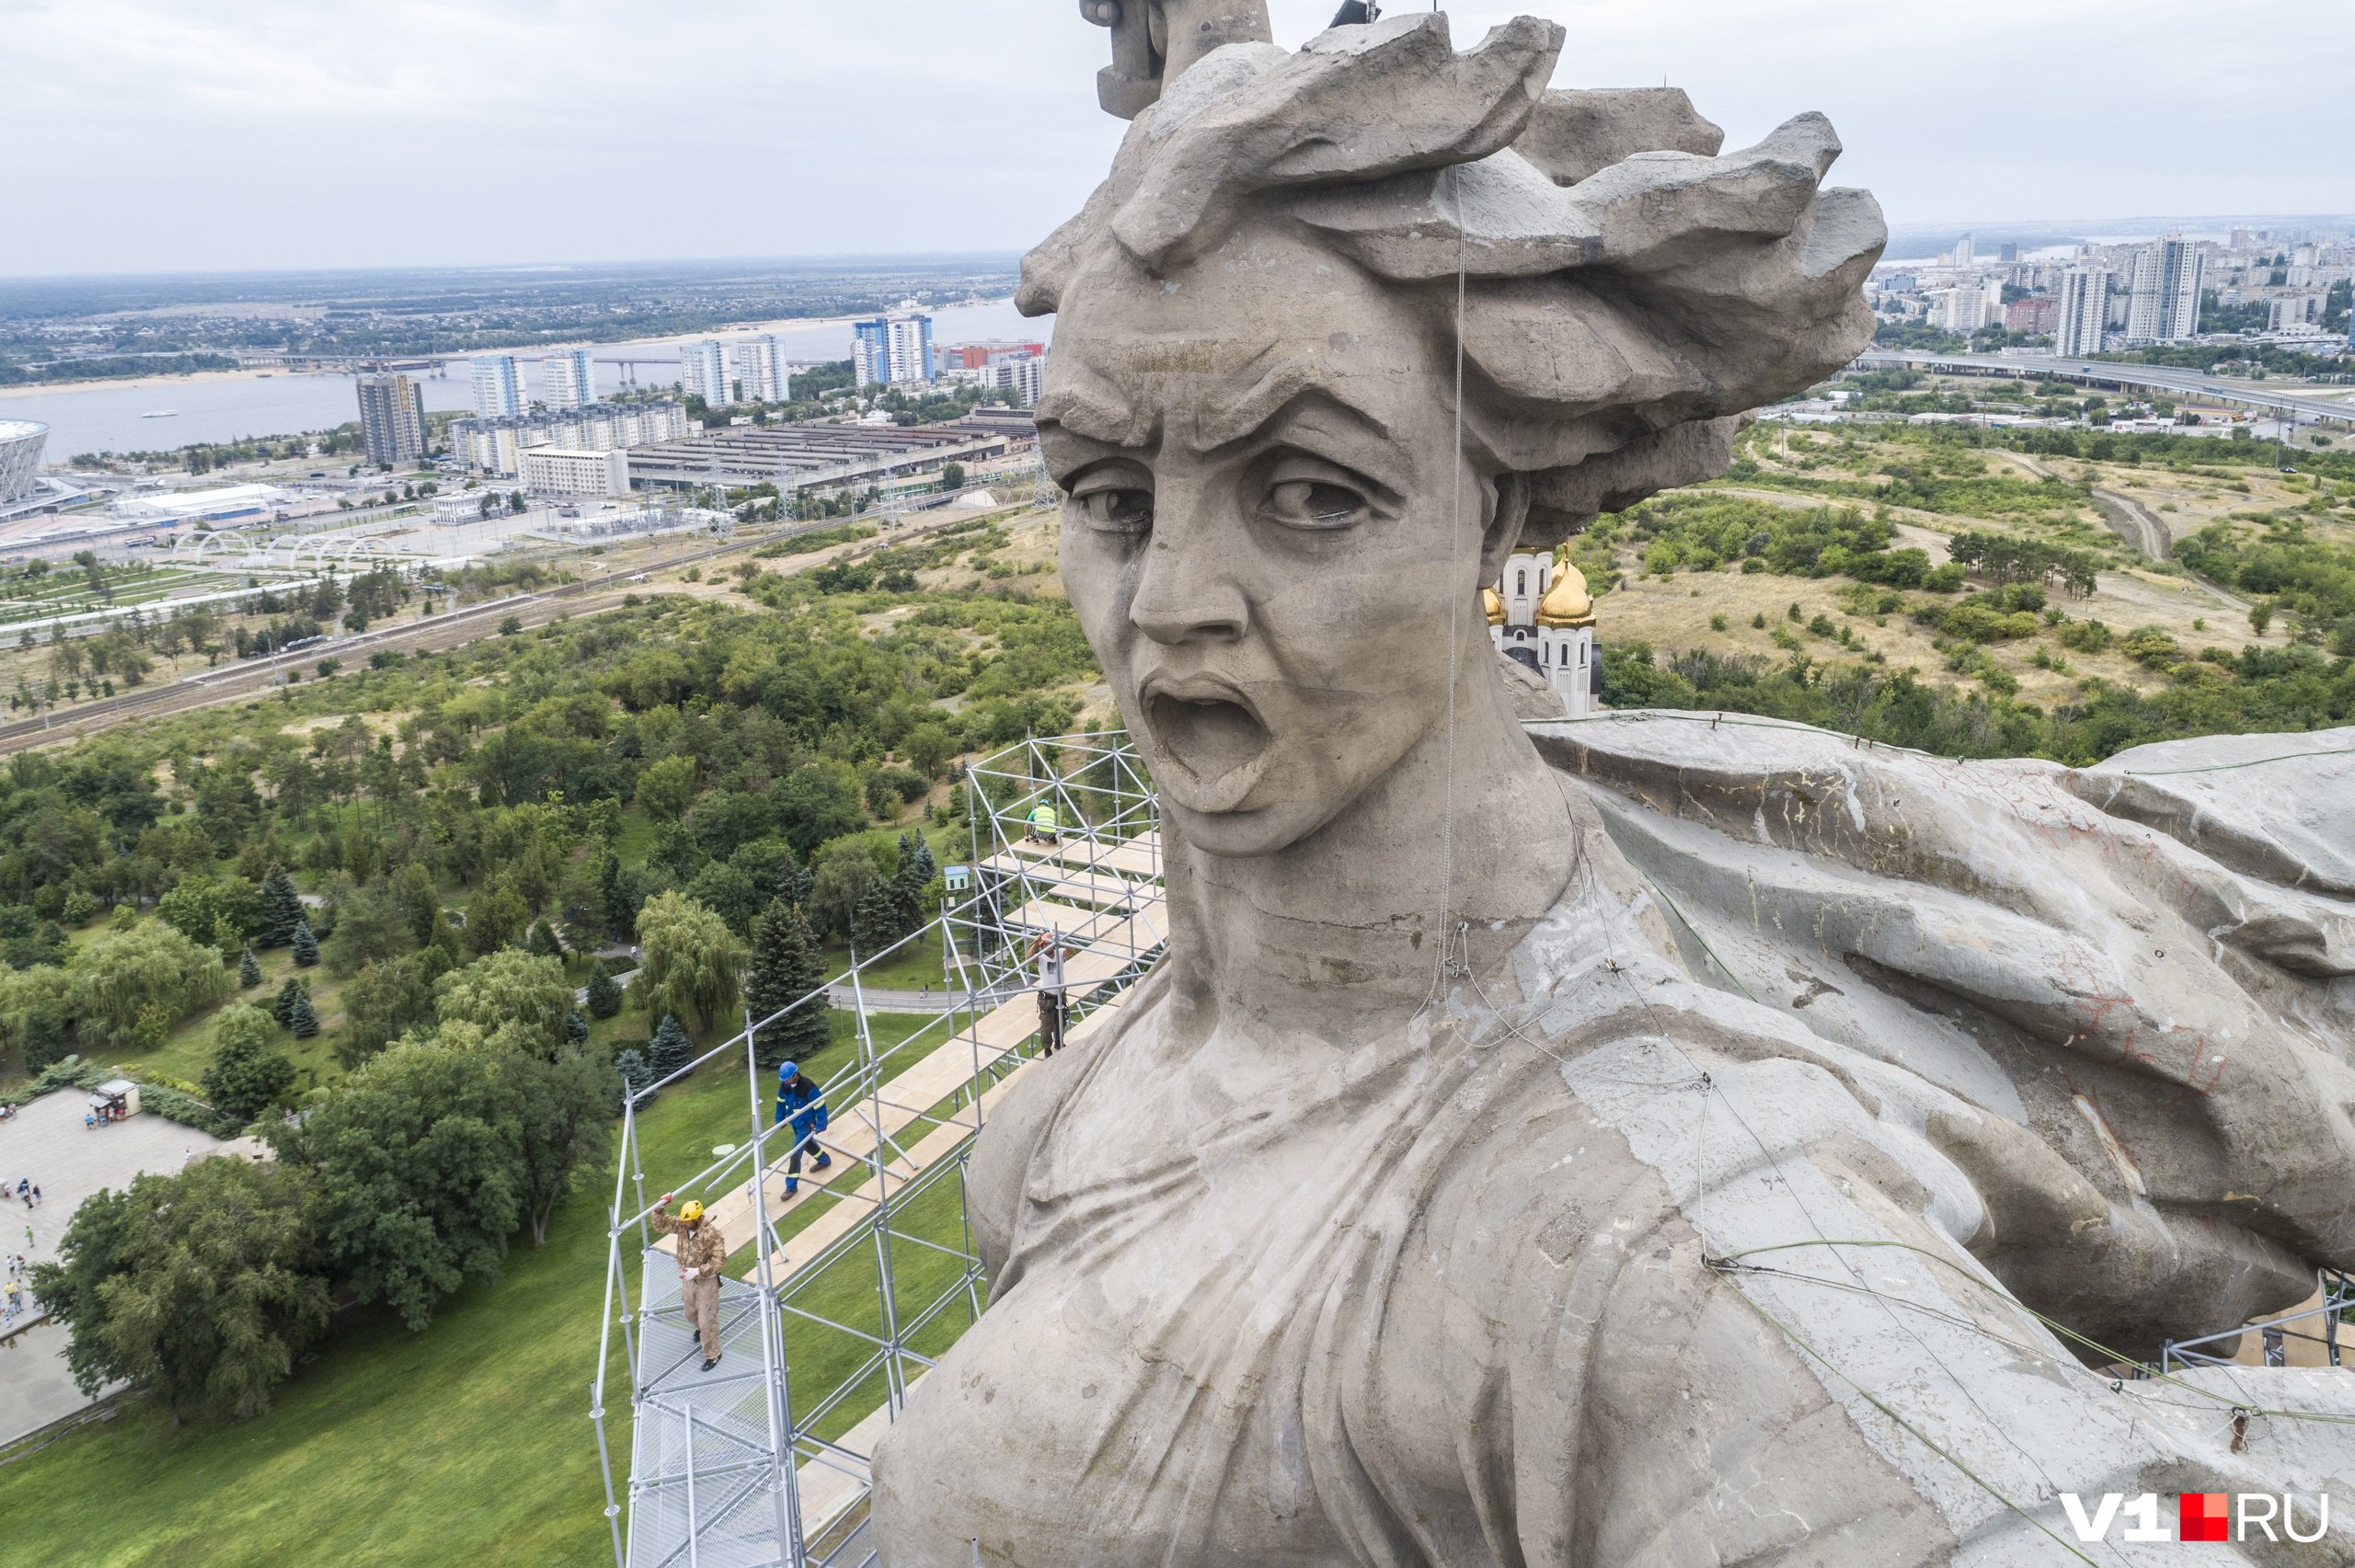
1256	533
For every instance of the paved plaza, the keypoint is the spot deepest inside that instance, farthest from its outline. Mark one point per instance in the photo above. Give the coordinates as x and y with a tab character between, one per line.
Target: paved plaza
46	1142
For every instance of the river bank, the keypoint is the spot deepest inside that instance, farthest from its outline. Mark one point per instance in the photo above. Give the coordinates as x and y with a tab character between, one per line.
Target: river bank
226	405
781	325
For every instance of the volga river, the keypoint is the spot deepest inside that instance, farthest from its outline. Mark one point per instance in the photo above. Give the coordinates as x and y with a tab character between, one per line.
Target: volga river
111	418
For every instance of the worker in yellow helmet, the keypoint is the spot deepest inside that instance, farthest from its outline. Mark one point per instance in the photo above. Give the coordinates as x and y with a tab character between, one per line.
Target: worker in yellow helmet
702	1253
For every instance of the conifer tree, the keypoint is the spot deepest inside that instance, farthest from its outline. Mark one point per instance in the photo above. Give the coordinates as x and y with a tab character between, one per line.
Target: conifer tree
301	1021
876	924
915	860
248	970
281	1006
281	909
636	1074
605	996
670	1049
576	1028
785	965
542	939
305	946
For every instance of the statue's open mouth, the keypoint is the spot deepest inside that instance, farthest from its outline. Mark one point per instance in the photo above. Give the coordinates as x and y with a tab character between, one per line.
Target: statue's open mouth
1211	735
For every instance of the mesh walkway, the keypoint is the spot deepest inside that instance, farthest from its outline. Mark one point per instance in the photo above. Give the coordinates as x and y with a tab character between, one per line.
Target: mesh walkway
747	1464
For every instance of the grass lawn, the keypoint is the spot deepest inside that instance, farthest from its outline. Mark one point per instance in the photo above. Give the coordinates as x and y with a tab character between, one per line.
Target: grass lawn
468	1443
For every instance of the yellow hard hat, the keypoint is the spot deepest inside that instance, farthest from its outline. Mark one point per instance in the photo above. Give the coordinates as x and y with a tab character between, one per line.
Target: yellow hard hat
690	1211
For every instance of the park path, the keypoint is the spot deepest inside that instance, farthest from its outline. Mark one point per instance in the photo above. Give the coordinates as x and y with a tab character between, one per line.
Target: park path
46	1142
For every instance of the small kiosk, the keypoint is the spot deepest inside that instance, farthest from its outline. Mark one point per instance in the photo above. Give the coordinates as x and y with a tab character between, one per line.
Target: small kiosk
115	1100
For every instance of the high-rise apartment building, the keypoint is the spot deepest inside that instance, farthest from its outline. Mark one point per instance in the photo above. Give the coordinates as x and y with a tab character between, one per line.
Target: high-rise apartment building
498	387
2084	313
2162	302
703	371
757	371
567	380
1027	375
1966	251
892	351
1962	310
392	418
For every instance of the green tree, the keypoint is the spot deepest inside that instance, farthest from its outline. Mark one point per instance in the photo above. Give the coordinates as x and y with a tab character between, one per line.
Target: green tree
691	961
380	1003
420	903
839	880
605	998
281	909
818	802
495	917
541	941
281	1006
563	1117
200	906
419	1159
304	946
785	965
665	789
248	970
372	924
670	1049
248	1074
302	1020
518	1000
875	924
120	974
205	1285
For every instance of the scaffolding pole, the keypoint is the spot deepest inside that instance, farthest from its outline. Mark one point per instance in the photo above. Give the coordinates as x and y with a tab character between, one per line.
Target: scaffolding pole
1099	884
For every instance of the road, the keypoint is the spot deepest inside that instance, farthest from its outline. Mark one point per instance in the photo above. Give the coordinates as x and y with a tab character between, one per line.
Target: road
2132	521
2104	373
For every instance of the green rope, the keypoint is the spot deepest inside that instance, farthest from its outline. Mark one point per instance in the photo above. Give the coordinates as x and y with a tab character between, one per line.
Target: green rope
2227	767
2054	1324
1703	941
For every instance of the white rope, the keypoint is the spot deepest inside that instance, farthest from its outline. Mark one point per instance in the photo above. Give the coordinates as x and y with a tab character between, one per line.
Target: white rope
1445	960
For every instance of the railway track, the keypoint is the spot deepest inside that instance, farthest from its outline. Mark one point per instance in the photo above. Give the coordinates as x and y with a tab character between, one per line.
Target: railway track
453	629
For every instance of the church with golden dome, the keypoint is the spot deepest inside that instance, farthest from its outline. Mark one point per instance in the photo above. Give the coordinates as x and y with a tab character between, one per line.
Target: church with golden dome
1540	614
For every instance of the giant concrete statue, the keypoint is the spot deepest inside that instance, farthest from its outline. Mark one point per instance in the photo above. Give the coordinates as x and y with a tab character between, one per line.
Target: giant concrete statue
1654	1141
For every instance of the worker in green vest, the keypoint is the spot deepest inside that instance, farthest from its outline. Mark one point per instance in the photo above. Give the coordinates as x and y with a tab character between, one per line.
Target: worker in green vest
1046	828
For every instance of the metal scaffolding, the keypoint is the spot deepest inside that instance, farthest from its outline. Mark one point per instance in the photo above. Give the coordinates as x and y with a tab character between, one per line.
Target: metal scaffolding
868	1270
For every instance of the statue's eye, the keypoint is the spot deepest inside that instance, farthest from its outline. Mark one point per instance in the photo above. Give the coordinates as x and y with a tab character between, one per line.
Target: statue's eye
1116	510
1313	504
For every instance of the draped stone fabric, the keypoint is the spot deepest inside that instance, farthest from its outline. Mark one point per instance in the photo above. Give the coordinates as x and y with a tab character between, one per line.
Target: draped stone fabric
1687	1242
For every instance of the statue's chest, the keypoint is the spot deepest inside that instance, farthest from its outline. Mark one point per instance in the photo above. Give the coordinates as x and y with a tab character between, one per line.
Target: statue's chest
1142	1383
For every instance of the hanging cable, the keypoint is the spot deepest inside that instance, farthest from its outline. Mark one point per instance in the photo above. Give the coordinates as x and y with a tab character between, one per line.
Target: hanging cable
1447	962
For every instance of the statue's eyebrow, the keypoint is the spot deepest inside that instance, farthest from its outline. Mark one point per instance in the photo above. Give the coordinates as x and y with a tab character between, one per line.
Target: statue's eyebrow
1091	406
1287	385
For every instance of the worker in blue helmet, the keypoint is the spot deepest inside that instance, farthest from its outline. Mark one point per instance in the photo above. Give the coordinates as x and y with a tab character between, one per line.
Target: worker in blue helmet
802	1103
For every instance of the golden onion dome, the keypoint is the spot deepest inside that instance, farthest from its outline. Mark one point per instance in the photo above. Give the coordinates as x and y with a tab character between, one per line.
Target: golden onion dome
1567	603
1492	606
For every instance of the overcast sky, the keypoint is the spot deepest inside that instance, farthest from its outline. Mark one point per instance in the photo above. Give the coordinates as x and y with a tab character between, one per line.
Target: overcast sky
155	135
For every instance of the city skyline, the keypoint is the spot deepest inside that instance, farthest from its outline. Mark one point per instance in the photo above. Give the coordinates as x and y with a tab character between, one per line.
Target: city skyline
994	136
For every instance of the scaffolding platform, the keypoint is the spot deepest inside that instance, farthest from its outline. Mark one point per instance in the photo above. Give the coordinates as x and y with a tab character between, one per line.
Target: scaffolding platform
703	1480
739	1465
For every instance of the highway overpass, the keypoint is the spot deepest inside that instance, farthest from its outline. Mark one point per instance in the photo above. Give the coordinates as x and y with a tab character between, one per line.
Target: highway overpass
2165	380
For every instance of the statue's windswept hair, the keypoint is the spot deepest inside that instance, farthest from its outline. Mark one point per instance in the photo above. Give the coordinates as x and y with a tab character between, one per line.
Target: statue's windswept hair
1629	292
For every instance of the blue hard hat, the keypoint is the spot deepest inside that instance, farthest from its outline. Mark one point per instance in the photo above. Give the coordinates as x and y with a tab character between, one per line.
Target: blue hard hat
785	1070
